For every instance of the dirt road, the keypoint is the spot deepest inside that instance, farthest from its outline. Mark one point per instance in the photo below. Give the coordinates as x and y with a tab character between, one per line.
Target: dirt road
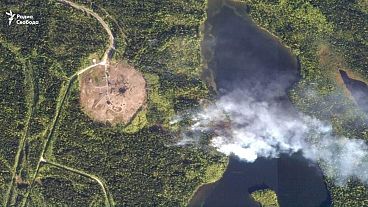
64	93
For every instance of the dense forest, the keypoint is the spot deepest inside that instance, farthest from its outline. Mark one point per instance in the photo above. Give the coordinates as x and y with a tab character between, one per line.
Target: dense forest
137	164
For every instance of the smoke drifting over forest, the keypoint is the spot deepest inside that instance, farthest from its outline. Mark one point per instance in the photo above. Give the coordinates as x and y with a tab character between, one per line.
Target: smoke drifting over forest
264	129
253	116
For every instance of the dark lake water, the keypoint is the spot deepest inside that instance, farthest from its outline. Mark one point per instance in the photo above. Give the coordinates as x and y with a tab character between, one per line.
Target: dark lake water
246	57
358	89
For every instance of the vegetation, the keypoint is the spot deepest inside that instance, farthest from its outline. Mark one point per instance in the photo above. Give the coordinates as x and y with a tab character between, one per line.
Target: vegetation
325	38
266	198
43	71
69	189
13	111
40	115
139	164
147	168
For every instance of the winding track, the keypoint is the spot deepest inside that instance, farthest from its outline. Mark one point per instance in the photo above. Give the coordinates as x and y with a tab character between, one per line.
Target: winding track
84	174
102	22
64	93
111	48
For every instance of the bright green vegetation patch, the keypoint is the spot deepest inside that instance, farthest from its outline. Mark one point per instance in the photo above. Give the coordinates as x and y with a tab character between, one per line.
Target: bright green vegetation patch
325	36
214	172
266	198
138	122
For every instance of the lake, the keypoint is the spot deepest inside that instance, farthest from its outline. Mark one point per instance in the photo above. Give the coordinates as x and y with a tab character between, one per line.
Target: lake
240	55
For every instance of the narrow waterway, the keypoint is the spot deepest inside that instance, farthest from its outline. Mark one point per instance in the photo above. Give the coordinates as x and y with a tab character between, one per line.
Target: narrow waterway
245	57
358	89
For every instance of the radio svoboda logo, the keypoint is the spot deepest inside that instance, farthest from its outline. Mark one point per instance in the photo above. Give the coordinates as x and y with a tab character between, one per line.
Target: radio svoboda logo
21	19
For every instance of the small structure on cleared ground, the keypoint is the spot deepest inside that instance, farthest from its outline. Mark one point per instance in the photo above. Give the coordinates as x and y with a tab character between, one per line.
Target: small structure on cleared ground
114	94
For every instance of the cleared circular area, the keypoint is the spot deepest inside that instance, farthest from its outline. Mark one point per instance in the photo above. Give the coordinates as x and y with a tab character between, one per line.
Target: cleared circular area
112	94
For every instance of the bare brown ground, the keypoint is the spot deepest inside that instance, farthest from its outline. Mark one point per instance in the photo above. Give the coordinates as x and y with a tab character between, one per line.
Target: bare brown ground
115	100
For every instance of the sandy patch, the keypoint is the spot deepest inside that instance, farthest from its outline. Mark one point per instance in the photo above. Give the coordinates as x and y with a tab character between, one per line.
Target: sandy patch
112	96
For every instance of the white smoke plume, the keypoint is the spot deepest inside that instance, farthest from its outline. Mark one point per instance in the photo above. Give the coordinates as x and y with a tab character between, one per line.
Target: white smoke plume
250	129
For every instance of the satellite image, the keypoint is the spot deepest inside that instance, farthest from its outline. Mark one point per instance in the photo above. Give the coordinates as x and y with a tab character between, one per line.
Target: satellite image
197	103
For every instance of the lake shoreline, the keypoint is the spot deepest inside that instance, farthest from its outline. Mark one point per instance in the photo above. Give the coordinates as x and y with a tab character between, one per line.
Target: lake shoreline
208	48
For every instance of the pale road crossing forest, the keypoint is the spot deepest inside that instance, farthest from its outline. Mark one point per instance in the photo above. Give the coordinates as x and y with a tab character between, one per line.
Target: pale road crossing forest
214	103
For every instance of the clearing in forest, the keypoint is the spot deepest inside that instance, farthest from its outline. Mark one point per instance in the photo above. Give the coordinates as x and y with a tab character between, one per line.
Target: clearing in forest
112	93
